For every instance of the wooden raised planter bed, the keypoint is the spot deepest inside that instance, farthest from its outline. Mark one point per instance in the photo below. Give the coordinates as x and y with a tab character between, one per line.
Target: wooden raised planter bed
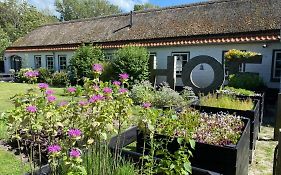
229	160
253	115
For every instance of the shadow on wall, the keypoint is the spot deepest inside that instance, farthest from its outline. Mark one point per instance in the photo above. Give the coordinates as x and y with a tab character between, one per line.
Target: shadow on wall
2	68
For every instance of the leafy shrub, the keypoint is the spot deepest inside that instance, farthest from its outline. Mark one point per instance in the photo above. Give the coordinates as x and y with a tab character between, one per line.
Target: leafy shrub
167	97
188	95
20	76
237	91
142	92
108	71
83	59
248	81
226	101
239	55
132	60
44	75
59	79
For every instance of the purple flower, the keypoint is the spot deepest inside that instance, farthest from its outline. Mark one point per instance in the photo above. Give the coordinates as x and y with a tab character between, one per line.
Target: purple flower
82	103
116	83
54	149
31	74
124	76
96	98
49	92
107	90
75	153
31	109
43	85
146	105
97	68
63	103
71	89
51	98
74	133
36	73
123	90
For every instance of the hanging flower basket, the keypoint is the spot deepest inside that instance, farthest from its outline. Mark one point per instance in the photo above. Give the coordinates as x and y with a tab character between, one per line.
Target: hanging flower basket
243	57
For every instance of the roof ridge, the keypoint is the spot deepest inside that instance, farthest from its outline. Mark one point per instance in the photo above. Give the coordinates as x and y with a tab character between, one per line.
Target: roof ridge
210	2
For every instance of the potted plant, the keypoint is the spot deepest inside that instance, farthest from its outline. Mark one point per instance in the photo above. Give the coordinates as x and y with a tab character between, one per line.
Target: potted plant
246	108
243	56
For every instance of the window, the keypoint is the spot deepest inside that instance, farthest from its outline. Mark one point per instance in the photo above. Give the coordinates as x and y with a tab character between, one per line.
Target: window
109	56
153	56
181	60
62	62
242	66
276	65
37	61
50	62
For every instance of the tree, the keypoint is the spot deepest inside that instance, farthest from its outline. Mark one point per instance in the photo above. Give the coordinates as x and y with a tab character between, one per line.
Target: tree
4	41
77	9
146	6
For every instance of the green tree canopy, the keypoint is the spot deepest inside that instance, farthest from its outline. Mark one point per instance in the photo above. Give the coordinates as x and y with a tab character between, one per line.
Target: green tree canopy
77	9
145	6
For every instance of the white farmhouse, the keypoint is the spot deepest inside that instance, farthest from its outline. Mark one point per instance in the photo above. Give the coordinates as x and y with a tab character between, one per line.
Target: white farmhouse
208	28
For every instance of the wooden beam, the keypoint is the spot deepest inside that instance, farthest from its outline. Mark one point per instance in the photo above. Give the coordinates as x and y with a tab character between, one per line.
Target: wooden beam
277	157
278	119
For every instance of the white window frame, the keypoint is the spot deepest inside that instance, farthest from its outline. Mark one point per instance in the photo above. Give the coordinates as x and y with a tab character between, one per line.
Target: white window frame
154	55
59	61
180	62
274	64
37	59
47	62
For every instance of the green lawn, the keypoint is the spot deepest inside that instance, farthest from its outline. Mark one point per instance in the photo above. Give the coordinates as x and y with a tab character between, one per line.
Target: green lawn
9	163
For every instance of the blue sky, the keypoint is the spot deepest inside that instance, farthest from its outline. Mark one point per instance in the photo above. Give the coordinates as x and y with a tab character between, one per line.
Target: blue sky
125	5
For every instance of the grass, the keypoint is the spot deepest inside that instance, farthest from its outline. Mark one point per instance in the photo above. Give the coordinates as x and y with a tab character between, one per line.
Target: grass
225	101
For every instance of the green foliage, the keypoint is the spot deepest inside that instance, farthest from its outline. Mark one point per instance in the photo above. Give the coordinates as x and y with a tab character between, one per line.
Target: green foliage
238	55
77	9
133	61
44	75
142	92
237	91
59	79
4	41
20	77
146	6
248	81
83	59
226	101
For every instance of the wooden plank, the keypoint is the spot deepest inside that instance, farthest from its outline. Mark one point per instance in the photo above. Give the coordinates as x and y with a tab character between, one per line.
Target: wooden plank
278	167
278	119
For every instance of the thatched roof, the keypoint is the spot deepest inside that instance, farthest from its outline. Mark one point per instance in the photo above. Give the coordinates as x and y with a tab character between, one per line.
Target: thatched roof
199	19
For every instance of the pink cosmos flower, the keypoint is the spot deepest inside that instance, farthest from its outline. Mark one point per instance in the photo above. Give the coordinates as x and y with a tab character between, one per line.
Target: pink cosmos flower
116	83
51	98
31	109
43	85
98	68
96	98
75	153
54	149
82	103
123	90
146	105
49	92
107	90
124	76
74	133
71	89
63	103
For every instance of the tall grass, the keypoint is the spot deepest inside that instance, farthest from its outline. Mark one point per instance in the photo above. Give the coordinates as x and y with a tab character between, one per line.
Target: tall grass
226	101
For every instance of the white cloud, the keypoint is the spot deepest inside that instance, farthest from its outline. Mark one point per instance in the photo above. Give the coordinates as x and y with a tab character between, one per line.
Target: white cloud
127	5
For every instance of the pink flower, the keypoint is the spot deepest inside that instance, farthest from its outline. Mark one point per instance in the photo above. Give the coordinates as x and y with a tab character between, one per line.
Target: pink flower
96	98
107	90
116	83
96	88
146	105
124	76
123	90
74	133
82	103
49	92
36	73
31	74
71	89
31	109
43	85
54	149
63	103
75	153
51	98
97	68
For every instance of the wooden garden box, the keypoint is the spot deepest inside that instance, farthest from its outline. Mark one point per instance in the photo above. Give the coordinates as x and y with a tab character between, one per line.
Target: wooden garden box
253	115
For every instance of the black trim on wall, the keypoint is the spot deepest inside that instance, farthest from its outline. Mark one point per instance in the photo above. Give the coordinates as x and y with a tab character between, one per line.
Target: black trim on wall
53	62
272	66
